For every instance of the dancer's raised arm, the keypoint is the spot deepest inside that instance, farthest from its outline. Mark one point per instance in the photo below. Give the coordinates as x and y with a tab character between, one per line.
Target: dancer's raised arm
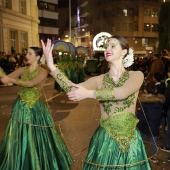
58	75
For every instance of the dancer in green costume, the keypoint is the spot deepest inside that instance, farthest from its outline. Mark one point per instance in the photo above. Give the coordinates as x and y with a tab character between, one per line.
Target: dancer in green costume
31	141
116	144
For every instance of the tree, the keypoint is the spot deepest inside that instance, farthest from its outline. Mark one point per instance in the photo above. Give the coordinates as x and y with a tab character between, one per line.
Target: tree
164	27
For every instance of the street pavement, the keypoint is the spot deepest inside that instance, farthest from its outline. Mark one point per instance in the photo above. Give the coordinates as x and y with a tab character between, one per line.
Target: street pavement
76	121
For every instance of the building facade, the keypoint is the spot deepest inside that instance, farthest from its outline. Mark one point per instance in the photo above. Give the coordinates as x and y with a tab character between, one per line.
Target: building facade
48	16
136	20
18	25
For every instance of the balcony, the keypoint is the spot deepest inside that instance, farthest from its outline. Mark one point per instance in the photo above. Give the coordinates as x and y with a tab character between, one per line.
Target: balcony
48	30
48	14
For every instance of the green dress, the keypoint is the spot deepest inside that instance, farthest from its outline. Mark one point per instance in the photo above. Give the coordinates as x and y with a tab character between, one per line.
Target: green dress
31	140
117	144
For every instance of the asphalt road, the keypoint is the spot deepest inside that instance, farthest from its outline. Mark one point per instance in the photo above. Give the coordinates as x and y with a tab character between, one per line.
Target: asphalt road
77	122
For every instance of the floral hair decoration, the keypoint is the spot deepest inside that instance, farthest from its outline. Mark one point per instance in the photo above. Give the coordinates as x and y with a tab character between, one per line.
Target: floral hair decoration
129	59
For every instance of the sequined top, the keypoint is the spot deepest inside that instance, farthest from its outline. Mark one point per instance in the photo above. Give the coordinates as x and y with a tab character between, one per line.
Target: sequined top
30	82
110	84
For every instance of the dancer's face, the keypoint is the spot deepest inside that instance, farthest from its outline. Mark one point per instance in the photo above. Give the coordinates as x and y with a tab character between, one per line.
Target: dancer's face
113	50
31	57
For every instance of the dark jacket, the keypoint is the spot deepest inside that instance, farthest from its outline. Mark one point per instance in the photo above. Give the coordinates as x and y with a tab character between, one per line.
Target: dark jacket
152	108
160	88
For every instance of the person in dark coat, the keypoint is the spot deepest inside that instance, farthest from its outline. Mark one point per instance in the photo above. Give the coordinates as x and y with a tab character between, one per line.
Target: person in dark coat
160	86
166	148
156	66
149	114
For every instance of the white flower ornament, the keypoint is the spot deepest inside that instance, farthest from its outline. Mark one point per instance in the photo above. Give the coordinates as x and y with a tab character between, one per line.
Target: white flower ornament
129	59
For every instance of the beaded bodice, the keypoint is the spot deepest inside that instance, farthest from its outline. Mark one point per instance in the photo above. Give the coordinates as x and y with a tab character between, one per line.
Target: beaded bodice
109	83
29	94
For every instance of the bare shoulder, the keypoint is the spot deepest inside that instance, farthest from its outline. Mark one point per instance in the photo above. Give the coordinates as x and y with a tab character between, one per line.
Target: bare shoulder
43	70
137	74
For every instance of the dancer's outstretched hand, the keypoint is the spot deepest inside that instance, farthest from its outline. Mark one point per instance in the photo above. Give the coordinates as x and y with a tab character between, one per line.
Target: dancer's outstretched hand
47	50
80	93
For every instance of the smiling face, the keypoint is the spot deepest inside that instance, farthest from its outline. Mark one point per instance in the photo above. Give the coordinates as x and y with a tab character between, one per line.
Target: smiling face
31	57
114	50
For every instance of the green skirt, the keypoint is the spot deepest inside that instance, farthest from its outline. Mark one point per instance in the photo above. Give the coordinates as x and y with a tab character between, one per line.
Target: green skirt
104	153
31	142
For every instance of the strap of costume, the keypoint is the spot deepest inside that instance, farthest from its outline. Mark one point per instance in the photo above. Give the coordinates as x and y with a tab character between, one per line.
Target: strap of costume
121	127
29	94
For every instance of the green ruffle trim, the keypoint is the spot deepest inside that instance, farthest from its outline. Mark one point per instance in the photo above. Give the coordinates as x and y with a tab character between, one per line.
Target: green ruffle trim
121	127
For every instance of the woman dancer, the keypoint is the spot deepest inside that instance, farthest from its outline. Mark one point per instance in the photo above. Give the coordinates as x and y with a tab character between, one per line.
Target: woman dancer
116	144
31	140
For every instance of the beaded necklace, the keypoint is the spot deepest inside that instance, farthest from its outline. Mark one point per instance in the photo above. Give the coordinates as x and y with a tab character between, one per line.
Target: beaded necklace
30	75
109	83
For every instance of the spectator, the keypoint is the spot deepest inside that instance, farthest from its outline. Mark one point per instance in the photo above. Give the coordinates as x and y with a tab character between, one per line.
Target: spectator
156	66
160	86
166	148
149	114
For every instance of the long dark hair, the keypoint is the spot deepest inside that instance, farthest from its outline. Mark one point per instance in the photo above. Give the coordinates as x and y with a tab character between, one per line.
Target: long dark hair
37	50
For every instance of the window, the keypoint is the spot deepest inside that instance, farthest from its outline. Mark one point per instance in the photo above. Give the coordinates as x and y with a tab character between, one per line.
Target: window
125	12
155	12
113	27
117	25
106	13
83	39
147	12
154	27
118	12
7	4
23	39
13	34
98	16
47	6
135	26
147	27
131	12
23	6
48	23
131	27
145	41
124	27
112	13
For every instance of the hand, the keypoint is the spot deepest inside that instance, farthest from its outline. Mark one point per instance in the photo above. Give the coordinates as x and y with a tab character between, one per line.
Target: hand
79	93
6	79
48	54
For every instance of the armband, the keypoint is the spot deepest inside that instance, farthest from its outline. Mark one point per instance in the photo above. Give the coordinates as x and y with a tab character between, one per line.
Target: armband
63	81
105	94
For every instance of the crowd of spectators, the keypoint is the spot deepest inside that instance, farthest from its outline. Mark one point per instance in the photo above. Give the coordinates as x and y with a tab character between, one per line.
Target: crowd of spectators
10	62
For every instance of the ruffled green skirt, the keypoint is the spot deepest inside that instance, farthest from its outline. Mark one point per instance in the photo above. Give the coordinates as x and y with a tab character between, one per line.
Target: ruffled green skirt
104	154
31	142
